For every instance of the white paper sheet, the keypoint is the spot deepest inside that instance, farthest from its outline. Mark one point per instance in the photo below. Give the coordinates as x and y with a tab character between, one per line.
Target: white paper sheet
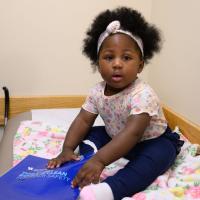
61	117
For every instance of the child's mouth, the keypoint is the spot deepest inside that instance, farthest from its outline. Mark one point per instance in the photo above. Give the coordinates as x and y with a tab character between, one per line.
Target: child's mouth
117	78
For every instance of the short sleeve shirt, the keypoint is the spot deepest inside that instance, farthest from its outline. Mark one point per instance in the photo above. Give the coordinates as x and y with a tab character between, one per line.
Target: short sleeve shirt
137	98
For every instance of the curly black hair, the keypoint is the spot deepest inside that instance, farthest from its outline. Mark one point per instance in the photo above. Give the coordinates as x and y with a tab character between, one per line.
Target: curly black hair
130	20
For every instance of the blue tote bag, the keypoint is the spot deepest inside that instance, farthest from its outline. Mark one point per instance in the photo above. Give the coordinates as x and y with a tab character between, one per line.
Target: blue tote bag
30	180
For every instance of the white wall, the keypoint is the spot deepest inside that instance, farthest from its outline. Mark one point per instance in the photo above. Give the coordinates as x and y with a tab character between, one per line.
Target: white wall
41	41
175	72
40	48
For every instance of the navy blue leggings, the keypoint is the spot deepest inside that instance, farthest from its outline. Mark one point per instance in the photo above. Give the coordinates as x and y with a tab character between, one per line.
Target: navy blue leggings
147	160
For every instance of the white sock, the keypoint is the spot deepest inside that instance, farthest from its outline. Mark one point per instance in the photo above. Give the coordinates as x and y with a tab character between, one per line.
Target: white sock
103	191
97	191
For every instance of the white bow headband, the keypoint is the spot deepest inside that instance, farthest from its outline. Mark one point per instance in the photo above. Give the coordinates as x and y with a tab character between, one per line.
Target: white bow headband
114	27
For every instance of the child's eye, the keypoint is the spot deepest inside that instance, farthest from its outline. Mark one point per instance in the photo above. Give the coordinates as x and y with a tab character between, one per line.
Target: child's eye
108	57
126	57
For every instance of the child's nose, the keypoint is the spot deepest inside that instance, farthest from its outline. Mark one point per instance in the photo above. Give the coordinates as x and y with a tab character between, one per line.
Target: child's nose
117	63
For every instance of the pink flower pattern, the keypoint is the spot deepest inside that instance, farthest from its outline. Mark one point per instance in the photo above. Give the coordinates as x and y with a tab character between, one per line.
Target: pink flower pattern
139	196
193	192
172	185
114	110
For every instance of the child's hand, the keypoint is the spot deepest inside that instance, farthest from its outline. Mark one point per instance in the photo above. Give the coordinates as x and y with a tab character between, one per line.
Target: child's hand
89	173
64	156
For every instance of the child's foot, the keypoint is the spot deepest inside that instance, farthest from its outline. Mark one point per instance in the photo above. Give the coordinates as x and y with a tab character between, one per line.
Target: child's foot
96	192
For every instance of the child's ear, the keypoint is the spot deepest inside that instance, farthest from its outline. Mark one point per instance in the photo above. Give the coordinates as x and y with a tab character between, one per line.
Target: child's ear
141	66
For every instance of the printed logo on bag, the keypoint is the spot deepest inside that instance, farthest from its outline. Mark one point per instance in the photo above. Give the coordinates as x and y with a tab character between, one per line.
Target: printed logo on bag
43	173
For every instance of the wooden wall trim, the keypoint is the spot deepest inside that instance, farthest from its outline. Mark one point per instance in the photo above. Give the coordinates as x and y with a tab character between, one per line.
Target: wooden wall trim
23	104
1	110
188	128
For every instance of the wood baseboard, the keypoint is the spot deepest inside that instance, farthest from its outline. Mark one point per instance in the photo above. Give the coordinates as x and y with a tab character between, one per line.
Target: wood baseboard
23	104
189	129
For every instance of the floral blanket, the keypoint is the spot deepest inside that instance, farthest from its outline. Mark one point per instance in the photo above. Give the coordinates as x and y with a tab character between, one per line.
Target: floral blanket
180	182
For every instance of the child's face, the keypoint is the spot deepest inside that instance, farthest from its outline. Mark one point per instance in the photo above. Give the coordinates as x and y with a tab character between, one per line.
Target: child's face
119	62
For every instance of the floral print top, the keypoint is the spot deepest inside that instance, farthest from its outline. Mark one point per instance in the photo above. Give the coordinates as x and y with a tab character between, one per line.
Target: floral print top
137	98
